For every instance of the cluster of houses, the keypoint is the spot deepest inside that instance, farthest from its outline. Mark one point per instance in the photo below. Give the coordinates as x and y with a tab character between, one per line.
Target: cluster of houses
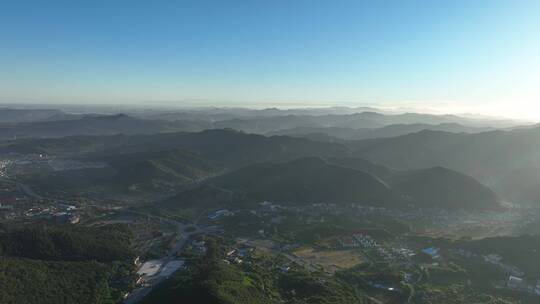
400	254
497	260
60	213
515	280
403	253
360	240
520	284
237	255
199	246
311	213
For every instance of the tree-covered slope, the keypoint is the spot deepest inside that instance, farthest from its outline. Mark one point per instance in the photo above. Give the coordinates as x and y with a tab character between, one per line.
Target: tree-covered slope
62	264
340	180
500	159
307	180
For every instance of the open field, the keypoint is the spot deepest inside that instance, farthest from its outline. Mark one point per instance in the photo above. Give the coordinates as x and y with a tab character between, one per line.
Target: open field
330	260
150	268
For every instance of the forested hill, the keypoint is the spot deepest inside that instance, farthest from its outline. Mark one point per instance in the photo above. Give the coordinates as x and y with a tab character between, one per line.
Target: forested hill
212	281
507	161
307	180
314	180
64	264
433	187
67	243
219	145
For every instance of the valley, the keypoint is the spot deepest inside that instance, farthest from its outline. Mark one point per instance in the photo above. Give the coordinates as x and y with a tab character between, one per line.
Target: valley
342	215
269	152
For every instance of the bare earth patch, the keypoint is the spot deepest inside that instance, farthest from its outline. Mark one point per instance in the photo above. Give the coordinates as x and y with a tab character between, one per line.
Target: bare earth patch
330	260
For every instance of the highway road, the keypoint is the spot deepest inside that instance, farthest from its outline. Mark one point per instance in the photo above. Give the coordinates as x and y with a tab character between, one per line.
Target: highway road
151	282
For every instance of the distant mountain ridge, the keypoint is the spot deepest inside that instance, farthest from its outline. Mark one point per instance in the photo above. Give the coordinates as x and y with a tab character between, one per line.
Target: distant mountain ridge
86	125
11	115
318	124
92	125
363	120
173	158
499	159
504	160
367	133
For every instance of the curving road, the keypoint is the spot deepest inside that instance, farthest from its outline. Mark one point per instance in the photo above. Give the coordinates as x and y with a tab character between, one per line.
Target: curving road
151	282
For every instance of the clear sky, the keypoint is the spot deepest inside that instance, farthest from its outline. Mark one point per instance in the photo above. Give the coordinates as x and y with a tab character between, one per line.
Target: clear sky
453	54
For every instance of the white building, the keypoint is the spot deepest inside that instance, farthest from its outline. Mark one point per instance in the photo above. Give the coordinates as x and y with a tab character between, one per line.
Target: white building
514	282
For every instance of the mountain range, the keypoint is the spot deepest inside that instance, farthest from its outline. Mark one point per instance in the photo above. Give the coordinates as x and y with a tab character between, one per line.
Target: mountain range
92	125
507	161
314	180
10	115
258	167
363	120
393	130
343	123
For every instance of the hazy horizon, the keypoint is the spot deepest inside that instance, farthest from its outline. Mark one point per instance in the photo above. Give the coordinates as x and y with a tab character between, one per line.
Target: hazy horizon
400	108
258	152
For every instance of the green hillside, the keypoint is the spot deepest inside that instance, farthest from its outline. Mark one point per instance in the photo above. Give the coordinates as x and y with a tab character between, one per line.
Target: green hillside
51	264
313	180
500	159
307	180
433	187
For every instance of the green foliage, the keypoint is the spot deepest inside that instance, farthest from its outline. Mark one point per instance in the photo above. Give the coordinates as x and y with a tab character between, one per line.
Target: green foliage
456	294
305	181
28	281
450	189
64	264
522	251
213	281
302	287
433	187
147	171
364	274
67	243
449	274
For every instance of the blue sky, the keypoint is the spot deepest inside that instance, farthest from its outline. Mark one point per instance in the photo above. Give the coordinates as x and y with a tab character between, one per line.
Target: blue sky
431	53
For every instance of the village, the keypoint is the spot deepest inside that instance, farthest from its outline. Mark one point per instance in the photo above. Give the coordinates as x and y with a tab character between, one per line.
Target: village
338	252
319	238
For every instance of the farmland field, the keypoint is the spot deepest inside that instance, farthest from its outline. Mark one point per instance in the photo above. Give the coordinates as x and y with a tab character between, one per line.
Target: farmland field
330	260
